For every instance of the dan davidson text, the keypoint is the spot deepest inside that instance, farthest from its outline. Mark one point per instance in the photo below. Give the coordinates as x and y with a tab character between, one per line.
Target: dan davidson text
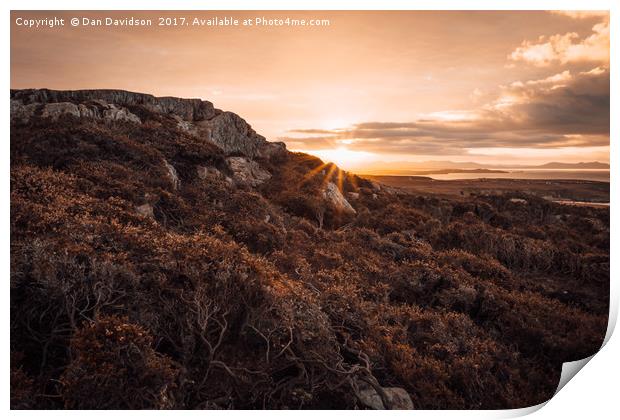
127	21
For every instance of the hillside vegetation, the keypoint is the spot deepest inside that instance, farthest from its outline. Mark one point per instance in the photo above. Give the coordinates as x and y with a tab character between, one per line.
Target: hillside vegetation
134	285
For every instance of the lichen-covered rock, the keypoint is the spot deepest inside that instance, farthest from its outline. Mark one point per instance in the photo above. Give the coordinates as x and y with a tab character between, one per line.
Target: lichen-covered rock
247	172
333	195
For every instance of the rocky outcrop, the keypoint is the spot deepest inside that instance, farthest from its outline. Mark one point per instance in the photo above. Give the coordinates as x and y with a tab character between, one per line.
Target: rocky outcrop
333	195
234	135
197	117
188	109
247	172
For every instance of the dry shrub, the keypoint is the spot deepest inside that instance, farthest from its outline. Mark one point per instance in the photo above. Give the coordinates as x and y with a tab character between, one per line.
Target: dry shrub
115	367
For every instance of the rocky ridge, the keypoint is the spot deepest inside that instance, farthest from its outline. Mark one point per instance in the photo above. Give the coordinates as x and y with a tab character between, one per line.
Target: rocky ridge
225	129
196	117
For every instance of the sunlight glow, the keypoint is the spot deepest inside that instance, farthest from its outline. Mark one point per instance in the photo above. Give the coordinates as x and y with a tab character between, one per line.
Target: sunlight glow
343	157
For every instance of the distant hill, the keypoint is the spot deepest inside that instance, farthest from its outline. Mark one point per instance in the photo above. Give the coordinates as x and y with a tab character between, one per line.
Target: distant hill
437	166
580	165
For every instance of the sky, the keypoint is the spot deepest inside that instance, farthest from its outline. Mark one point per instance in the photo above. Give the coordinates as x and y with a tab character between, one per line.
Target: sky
370	90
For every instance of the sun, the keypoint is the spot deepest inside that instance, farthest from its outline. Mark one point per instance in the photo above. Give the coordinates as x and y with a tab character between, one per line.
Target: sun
346	159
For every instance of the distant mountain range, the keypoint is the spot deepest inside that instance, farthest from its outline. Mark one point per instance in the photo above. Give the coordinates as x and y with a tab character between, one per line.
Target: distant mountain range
580	165
443	166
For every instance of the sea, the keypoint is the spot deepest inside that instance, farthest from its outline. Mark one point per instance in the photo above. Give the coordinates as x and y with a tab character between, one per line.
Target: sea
581	174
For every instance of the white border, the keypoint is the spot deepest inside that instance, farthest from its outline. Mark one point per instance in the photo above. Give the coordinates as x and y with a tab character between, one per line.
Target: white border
592	394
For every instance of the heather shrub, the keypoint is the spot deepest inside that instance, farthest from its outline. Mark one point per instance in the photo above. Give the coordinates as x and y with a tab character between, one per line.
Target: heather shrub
115	367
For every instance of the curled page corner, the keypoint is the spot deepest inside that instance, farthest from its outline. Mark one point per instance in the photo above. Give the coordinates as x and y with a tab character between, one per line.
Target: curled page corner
570	369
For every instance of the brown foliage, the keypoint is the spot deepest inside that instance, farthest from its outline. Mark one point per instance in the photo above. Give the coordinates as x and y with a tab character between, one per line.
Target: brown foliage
268	298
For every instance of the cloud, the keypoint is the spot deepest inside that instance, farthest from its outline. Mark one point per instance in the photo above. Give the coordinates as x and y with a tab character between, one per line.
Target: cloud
567	48
562	110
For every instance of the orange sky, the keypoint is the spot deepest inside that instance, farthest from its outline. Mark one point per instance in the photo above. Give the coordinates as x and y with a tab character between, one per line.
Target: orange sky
372	89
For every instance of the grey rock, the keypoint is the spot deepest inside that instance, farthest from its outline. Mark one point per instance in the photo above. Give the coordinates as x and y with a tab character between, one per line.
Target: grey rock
172	174
395	398
369	396
113	113
333	195
145	210
247	172
398	399
233	135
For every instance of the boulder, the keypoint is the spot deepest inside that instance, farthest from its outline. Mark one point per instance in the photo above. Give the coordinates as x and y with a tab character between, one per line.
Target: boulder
247	171
368	396
394	398
333	195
